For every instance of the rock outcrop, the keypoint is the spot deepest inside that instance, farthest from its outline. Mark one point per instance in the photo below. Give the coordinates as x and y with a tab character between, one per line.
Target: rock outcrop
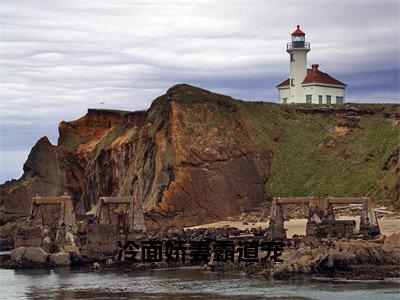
42	175
196	157
350	258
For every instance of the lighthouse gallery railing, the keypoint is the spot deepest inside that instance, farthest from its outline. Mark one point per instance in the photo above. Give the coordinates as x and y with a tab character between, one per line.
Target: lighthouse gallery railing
305	45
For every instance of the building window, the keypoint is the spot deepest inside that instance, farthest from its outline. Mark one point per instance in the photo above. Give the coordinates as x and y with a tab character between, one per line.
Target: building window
308	98
339	100
292	82
291	57
328	99
284	100
319	99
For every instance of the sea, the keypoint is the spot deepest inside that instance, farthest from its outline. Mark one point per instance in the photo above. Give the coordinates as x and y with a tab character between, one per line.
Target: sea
182	283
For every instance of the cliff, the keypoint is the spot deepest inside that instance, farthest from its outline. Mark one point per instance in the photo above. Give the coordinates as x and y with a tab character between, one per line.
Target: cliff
196	156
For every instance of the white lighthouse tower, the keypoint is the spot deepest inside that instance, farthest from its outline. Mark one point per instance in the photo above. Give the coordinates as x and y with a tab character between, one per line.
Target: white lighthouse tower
297	50
307	85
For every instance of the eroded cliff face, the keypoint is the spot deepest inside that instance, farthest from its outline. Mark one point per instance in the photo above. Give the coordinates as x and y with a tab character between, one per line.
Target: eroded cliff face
206	165
97	153
197	157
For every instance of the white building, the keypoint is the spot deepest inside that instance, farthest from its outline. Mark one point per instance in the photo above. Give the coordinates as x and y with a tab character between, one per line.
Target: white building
307	85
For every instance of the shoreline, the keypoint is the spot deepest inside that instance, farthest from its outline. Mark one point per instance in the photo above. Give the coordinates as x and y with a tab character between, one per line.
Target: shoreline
352	258
342	278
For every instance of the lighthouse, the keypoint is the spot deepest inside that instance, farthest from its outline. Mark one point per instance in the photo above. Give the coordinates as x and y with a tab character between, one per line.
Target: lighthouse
307	85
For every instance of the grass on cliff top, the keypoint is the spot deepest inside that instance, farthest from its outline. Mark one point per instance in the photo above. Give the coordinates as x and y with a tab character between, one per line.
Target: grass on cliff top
72	141
106	141
303	164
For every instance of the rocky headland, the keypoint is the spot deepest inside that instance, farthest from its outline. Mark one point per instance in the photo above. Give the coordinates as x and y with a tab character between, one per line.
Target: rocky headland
196	157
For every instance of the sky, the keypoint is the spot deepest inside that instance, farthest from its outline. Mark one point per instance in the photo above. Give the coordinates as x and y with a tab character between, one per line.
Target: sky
58	58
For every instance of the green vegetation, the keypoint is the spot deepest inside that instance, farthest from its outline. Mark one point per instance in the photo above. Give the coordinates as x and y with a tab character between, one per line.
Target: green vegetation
72	141
310	158
106	141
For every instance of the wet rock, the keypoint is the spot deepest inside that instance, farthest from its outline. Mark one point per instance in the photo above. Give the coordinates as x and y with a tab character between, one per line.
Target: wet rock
96	265
333	256
60	259
17	254
36	254
31	254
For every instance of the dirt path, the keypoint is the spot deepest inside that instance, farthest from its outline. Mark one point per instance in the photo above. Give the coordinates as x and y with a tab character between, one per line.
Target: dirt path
298	226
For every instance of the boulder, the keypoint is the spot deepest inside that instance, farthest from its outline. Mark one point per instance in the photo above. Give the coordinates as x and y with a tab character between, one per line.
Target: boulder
36	254
17	254
32	254
60	259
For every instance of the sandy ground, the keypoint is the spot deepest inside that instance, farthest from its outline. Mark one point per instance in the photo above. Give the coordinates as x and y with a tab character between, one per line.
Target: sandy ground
298	226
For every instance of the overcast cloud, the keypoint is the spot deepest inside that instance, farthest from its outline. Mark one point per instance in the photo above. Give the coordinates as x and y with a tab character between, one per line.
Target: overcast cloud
61	57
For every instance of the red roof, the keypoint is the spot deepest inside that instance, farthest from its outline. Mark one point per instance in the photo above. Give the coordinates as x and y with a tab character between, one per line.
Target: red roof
298	31
316	76
284	83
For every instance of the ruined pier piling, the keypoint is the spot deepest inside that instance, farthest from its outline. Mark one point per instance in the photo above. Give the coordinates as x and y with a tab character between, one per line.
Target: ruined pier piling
321	220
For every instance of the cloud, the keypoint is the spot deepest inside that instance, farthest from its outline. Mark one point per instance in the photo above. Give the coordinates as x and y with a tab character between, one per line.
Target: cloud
59	58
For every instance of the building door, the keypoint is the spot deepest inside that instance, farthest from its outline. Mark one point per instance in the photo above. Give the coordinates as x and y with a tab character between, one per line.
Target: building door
308	98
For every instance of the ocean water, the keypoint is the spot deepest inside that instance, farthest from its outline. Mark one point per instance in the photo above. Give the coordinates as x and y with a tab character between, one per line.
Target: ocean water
179	284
